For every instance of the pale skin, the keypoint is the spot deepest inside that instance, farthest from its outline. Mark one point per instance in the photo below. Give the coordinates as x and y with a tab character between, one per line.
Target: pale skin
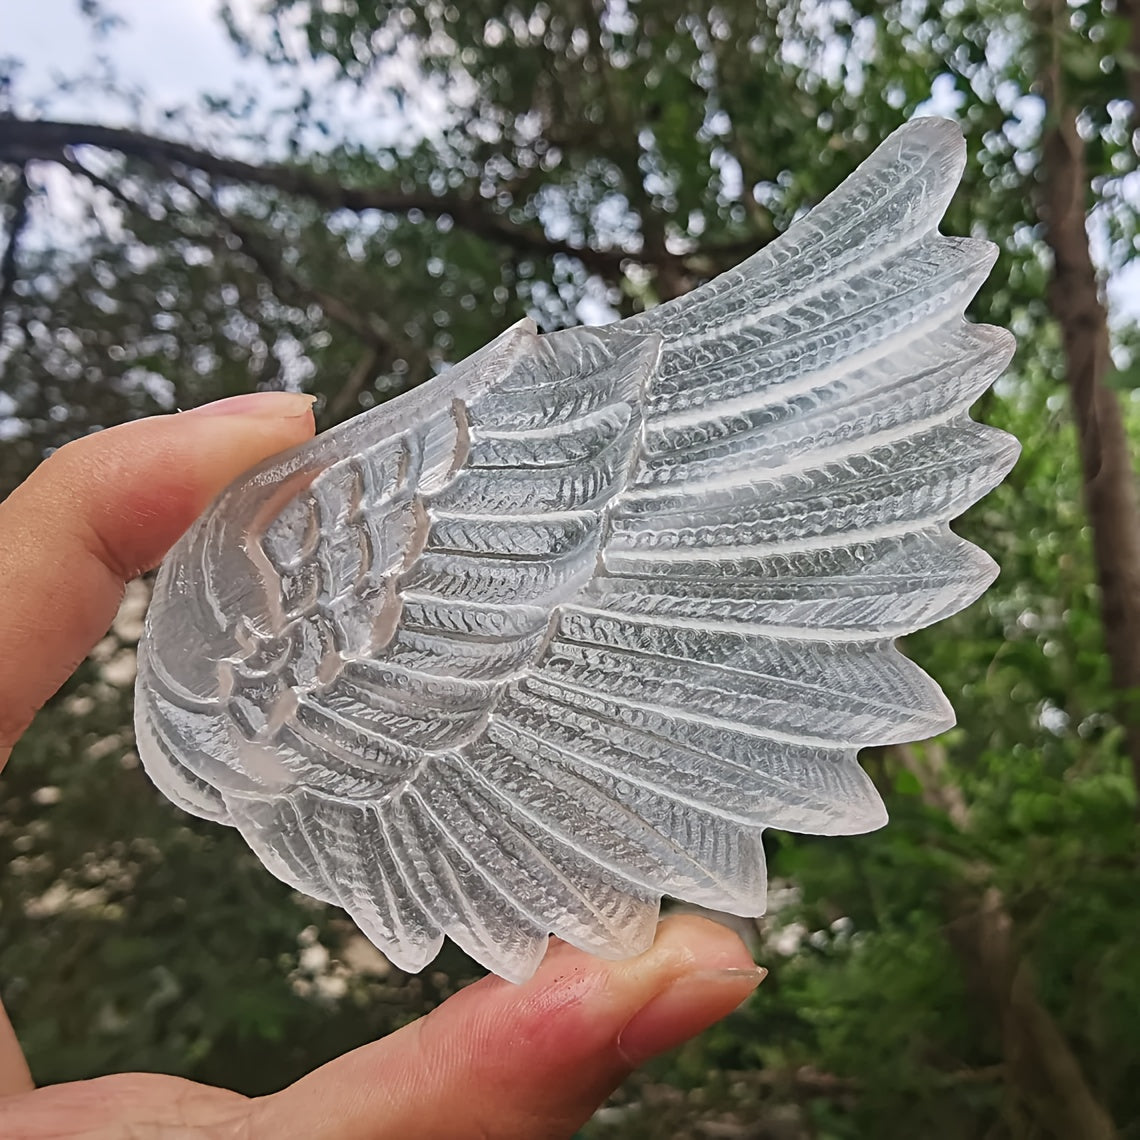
495	1062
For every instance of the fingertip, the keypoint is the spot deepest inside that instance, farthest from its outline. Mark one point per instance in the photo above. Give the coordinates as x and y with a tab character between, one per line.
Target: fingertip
696	972
689	1004
504	1056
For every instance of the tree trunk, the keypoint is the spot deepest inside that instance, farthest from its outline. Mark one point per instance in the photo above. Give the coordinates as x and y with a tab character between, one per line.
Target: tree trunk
1046	1084
1130	11
1109	480
1042	1071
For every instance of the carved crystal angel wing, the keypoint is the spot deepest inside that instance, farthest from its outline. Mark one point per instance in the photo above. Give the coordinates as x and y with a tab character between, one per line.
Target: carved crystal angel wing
564	629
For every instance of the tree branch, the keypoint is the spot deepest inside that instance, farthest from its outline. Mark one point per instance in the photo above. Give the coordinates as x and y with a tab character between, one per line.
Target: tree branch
24	140
379	344
285	282
9	263
345	402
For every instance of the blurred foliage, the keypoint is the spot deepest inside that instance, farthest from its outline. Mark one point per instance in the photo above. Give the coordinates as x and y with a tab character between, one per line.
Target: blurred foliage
598	158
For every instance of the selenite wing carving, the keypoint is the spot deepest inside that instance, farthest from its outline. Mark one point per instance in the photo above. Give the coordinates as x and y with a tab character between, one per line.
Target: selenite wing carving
562	630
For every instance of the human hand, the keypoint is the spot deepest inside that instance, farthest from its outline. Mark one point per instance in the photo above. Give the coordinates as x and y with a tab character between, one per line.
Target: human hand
496	1061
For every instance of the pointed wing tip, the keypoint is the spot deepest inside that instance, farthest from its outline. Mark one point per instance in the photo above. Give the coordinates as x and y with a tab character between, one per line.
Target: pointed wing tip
975	581
1003	452
875	818
925	711
513	968
611	948
935	136
939	144
985	252
1002	344
935	131
411	959
869	816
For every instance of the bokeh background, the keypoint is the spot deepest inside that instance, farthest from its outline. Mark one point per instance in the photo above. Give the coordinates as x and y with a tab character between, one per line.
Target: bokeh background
347	196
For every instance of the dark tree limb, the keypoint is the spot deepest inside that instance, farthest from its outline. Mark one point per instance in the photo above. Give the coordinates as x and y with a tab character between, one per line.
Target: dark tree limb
117	193
23	140
9	262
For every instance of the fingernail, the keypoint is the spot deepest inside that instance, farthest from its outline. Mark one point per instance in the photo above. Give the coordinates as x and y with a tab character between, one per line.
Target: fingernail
265	405
668	1019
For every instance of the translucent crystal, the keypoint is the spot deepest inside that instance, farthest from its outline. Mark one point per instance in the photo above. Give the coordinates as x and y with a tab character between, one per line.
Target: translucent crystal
564	629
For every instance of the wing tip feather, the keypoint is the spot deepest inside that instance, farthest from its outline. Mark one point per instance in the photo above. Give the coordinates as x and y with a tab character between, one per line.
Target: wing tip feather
941	139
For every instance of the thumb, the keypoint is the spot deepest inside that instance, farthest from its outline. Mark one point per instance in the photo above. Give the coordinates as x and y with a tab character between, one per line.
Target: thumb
527	1062
100	511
